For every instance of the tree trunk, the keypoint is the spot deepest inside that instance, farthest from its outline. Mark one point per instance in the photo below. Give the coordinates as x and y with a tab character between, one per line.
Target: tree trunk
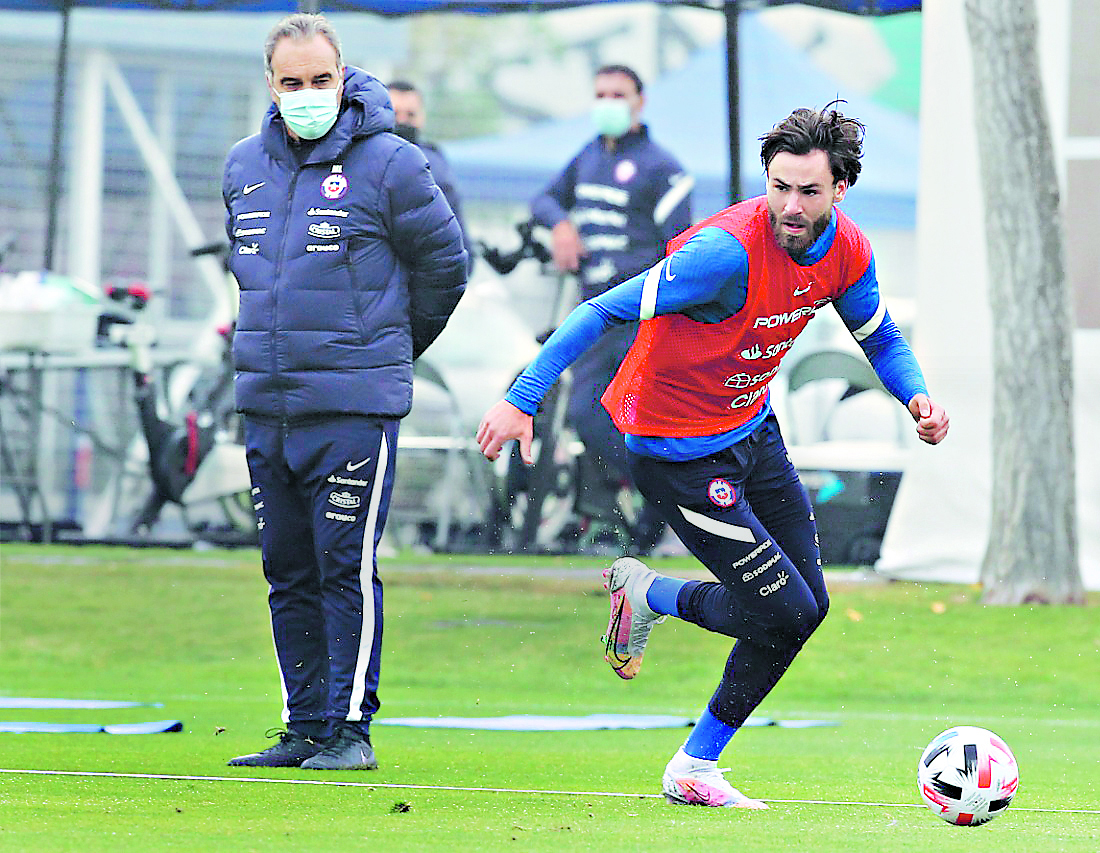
1032	551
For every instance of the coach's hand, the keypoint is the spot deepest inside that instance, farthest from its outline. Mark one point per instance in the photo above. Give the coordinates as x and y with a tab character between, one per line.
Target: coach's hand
566	246
502	423
932	420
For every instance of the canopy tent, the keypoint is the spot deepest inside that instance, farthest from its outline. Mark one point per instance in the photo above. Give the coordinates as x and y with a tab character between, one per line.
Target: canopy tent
686	111
730	8
415	7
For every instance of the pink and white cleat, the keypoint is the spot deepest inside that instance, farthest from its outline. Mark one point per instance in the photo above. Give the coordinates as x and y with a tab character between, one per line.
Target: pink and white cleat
631	620
695	782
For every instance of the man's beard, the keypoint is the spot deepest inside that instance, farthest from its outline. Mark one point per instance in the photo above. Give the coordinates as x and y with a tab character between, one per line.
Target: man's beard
796	244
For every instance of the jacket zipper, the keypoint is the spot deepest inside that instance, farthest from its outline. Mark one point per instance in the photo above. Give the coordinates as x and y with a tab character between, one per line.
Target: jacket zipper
275	290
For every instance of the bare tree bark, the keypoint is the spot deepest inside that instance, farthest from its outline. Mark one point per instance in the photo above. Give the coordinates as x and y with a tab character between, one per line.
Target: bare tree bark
1032	554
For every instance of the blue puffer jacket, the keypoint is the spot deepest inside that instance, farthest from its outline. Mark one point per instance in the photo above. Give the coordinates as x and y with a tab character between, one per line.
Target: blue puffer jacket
349	261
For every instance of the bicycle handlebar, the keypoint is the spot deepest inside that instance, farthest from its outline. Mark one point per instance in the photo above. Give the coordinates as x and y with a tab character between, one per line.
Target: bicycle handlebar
504	262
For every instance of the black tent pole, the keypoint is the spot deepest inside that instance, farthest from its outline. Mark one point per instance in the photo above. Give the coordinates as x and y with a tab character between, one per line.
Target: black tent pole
733	95
55	166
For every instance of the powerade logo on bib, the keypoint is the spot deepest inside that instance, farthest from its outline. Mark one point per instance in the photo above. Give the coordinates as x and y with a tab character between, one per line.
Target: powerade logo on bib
721	493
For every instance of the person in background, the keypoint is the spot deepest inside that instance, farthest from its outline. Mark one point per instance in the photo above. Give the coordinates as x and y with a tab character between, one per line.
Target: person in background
611	213
350	262
409	115
717	316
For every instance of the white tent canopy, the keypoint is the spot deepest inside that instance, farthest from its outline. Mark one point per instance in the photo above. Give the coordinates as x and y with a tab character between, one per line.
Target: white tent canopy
940	523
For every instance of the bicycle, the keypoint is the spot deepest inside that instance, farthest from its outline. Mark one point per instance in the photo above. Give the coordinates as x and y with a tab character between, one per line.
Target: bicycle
190	432
559	503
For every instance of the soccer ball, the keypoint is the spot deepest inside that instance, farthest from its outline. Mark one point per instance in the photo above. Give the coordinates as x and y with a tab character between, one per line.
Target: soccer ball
967	776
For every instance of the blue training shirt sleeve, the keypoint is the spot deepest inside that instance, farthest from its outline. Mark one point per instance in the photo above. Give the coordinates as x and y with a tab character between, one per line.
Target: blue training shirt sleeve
708	270
864	314
577	333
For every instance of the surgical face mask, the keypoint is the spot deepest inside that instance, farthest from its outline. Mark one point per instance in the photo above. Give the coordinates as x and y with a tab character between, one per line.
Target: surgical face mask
611	116
310	113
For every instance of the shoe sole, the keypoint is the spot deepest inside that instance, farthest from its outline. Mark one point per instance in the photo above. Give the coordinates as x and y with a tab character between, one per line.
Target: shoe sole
617	653
366	764
258	761
695	793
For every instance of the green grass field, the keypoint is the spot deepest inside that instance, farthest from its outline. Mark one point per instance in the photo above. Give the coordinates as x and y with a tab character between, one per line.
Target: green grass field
893	665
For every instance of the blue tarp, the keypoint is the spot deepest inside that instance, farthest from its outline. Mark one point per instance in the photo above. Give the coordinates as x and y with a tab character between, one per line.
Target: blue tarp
687	113
415	7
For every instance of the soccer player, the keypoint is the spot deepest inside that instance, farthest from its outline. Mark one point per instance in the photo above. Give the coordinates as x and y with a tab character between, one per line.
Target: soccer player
717	316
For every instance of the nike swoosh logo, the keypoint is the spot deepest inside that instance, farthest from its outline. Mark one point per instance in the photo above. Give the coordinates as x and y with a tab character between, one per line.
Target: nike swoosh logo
250	187
356	466
798	291
668	273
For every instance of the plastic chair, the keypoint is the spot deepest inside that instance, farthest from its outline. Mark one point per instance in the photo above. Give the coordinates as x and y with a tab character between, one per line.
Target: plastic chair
852	369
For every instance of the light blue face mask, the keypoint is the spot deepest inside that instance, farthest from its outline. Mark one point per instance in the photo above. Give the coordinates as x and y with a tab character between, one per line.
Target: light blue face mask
310	113
611	116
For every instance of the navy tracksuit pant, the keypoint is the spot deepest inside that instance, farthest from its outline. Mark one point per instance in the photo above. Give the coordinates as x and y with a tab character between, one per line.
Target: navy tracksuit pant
745	515
321	490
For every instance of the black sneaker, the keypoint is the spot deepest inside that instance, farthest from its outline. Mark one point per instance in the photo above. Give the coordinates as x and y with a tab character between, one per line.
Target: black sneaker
347	749
291	750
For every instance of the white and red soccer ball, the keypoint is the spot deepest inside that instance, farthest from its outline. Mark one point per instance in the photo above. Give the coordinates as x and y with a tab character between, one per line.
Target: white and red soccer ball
967	776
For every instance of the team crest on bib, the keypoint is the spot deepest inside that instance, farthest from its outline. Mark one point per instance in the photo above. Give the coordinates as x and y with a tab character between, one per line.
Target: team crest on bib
335	185
721	493
625	170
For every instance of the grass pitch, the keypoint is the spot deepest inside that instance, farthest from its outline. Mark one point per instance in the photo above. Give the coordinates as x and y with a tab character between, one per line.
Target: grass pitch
893	665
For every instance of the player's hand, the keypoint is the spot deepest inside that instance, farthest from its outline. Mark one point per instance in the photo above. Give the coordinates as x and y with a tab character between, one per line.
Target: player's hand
932	420
502	423
566	246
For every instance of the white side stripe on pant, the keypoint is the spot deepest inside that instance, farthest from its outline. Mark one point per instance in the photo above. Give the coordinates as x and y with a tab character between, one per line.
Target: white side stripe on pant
718	528
366	584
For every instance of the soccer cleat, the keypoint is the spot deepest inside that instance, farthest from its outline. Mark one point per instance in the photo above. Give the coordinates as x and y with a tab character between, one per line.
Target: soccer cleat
631	618
695	782
291	750
347	749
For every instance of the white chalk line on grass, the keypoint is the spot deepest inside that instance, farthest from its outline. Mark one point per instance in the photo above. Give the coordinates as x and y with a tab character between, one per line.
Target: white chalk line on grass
888	716
329	782
475	790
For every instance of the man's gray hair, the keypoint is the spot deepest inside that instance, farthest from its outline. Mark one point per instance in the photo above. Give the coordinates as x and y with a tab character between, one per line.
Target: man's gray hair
301	26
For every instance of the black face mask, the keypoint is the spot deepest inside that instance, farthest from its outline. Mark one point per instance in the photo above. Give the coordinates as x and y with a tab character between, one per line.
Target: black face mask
408	133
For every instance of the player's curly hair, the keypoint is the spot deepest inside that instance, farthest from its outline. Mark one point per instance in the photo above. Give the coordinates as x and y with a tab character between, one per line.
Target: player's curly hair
828	130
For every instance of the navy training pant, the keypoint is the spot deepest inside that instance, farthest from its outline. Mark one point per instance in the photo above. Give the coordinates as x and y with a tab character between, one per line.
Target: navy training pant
321	490
745	515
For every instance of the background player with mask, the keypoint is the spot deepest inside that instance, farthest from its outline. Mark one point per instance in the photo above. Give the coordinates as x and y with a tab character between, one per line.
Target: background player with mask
611	213
409	120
